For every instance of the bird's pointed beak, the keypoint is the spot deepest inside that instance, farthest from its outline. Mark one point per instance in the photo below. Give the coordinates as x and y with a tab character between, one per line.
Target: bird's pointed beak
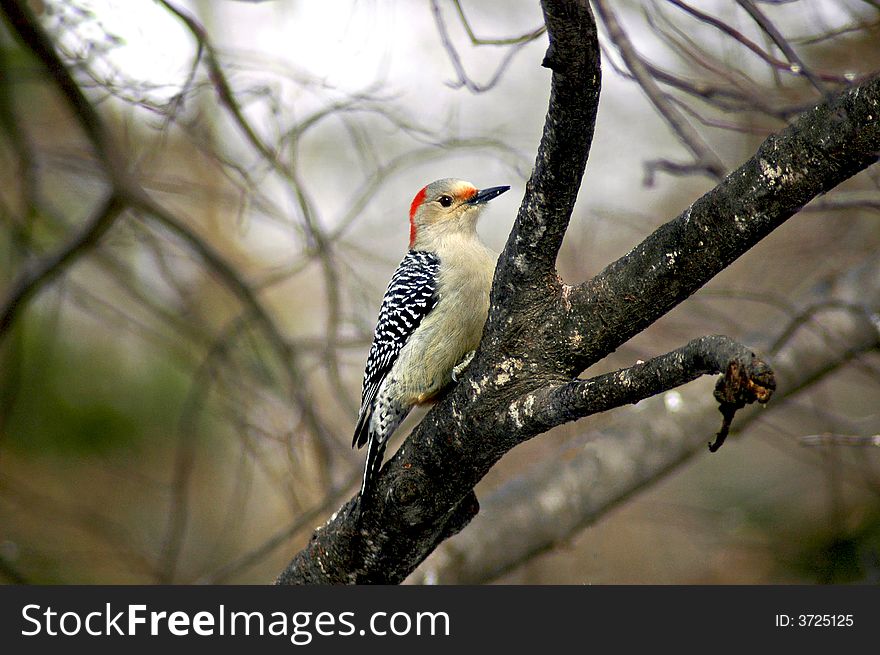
485	195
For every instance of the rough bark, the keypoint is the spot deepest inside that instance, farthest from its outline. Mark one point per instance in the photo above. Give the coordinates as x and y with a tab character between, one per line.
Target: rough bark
550	503
542	333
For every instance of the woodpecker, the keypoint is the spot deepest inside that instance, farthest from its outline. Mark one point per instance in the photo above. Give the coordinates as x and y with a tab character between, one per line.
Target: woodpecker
431	318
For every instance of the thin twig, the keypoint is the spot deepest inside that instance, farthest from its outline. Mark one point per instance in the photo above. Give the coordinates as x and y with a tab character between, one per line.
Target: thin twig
736	35
32	281
797	65
531	35
463	78
706	160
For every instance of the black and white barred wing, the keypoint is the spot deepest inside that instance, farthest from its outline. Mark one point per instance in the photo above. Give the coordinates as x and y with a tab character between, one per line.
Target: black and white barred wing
411	294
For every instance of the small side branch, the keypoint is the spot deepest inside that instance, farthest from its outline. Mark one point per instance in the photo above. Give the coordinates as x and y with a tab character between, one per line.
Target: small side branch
603	468
746	379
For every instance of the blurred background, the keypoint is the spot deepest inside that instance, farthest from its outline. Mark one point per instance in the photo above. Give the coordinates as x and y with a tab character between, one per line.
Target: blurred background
177	401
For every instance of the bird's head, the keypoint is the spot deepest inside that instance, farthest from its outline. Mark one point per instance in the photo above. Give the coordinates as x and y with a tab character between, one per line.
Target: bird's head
447	206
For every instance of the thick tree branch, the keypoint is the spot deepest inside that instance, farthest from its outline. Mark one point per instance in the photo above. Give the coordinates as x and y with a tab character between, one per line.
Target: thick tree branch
558	497
390	547
542	333
825	146
529	257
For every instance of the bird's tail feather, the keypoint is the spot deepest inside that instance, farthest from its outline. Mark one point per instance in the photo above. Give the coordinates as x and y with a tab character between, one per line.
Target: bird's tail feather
375	452
362	429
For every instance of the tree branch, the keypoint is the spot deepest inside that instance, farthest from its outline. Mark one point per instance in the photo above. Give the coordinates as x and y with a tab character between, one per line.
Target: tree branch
706	160
823	147
529	258
40	45
560	496
746	377
541	333
30	282
797	64
388	548
463	78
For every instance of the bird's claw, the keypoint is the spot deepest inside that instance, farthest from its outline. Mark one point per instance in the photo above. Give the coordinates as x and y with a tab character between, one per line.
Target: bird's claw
459	368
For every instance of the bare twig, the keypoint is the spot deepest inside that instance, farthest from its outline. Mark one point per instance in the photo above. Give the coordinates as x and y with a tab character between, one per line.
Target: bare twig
808	315
463	78
706	160
31	282
531	35
797	65
738	36
829	439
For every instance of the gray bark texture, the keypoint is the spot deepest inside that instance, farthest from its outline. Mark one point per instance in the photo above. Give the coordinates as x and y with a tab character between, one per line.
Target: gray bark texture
543	333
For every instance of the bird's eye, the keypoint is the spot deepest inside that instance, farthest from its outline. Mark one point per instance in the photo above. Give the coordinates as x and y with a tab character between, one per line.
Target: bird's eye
445	201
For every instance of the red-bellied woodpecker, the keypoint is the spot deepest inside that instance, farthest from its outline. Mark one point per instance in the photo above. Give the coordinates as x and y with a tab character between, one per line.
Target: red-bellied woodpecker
432	315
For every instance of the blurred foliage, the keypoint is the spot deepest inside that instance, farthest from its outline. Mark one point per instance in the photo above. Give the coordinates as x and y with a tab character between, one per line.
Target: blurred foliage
828	554
72	392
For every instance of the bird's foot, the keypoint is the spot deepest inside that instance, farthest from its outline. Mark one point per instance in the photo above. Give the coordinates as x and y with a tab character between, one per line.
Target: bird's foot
462	365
